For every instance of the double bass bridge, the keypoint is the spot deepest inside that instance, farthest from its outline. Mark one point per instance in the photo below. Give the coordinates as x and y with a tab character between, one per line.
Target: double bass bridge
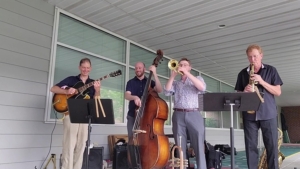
139	131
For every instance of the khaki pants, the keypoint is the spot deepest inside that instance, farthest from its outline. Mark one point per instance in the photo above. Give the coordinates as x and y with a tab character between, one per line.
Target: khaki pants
74	141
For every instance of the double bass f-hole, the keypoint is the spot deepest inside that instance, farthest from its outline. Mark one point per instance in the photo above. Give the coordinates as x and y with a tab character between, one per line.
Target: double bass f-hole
151	134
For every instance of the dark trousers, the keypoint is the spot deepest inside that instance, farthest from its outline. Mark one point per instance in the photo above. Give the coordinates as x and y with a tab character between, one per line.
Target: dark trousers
130	123
270	139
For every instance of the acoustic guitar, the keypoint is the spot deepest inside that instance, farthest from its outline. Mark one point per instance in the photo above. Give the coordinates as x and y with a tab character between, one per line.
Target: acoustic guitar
59	101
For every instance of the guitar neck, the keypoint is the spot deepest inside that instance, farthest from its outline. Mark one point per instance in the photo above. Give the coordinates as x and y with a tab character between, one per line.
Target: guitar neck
83	88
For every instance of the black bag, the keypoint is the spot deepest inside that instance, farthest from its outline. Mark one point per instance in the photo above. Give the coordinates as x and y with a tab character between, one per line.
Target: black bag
225	148
120	155
213	157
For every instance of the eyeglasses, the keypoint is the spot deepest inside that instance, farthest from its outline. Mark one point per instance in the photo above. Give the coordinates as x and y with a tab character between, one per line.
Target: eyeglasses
184	65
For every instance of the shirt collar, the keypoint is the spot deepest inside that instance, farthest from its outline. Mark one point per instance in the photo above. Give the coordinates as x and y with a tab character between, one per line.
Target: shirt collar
88	79
136	78
248	68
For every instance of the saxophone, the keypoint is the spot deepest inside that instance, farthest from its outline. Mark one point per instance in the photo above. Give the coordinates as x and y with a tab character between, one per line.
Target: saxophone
254	88
263	158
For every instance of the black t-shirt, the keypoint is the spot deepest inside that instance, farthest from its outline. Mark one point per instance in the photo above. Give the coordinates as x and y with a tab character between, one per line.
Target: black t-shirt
268	109
136	87
72	80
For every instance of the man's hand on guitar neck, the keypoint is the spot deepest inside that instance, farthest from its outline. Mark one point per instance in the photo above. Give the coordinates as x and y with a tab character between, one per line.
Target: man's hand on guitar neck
97	85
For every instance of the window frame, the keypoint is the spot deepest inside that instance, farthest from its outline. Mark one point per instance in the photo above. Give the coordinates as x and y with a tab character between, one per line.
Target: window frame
127	65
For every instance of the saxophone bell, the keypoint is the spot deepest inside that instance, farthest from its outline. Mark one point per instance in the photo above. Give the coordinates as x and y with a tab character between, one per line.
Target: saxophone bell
263	158
174	65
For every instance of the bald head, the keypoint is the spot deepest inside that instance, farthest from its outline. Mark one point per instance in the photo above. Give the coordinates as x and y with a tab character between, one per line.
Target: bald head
139	69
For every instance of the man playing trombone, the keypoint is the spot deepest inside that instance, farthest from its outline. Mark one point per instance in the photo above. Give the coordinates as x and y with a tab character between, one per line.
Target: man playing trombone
186	116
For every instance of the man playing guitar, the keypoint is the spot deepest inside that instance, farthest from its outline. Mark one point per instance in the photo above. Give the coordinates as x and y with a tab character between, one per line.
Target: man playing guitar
75	135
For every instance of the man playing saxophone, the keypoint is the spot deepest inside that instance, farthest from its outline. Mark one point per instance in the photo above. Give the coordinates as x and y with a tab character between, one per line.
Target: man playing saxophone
268	82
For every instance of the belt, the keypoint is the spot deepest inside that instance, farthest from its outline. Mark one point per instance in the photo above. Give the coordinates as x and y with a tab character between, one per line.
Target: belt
186	110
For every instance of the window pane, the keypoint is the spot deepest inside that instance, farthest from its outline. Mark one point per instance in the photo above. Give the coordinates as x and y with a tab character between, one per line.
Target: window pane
240	120
227	119
212	85
138	54
67	62
212	119
78	34
195	73
167	100
226	88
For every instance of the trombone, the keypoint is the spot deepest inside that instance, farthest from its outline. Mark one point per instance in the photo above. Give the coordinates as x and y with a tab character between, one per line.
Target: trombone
173	65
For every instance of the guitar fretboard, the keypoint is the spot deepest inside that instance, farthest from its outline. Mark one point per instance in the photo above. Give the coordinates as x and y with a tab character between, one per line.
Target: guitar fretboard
83	88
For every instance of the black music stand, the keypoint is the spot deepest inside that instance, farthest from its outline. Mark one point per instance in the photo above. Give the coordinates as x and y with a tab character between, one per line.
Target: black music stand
238	101
84	111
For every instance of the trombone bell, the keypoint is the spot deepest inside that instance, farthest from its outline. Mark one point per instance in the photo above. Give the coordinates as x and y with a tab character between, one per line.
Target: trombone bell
173	65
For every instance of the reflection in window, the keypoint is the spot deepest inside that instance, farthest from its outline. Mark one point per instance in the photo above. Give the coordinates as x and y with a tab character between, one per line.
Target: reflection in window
80	35
138	54
212	119
226	88
212	84
240	120
167	99
227	119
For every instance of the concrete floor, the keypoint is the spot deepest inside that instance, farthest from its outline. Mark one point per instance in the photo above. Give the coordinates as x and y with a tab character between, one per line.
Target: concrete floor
291	162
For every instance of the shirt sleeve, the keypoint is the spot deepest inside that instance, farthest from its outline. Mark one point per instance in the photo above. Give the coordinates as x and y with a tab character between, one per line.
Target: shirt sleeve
276	80
128	87
239	84
171	91
204	88
64	83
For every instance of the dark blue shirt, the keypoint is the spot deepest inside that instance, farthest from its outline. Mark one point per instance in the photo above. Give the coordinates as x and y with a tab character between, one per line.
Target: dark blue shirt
71	81
136	87
268	109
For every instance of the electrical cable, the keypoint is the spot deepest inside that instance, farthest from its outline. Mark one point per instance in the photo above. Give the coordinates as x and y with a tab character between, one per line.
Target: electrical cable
55	113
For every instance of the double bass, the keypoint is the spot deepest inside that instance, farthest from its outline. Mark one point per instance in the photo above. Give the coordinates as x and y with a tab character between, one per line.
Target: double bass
149	147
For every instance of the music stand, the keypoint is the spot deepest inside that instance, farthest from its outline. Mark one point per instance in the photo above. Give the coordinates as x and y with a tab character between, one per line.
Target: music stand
238	101
84	111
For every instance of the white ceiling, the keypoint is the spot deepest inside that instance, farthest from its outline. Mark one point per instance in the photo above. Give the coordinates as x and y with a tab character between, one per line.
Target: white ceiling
190	28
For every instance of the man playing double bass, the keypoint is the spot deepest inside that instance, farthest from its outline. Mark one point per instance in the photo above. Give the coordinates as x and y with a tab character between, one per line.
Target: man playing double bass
134	92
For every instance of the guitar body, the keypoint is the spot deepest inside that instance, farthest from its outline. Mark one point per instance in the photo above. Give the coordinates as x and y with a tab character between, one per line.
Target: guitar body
59	101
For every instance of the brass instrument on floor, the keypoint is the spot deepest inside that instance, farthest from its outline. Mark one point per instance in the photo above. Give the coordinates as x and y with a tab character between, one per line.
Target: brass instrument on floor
173	65
263	158
254	88
178	162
